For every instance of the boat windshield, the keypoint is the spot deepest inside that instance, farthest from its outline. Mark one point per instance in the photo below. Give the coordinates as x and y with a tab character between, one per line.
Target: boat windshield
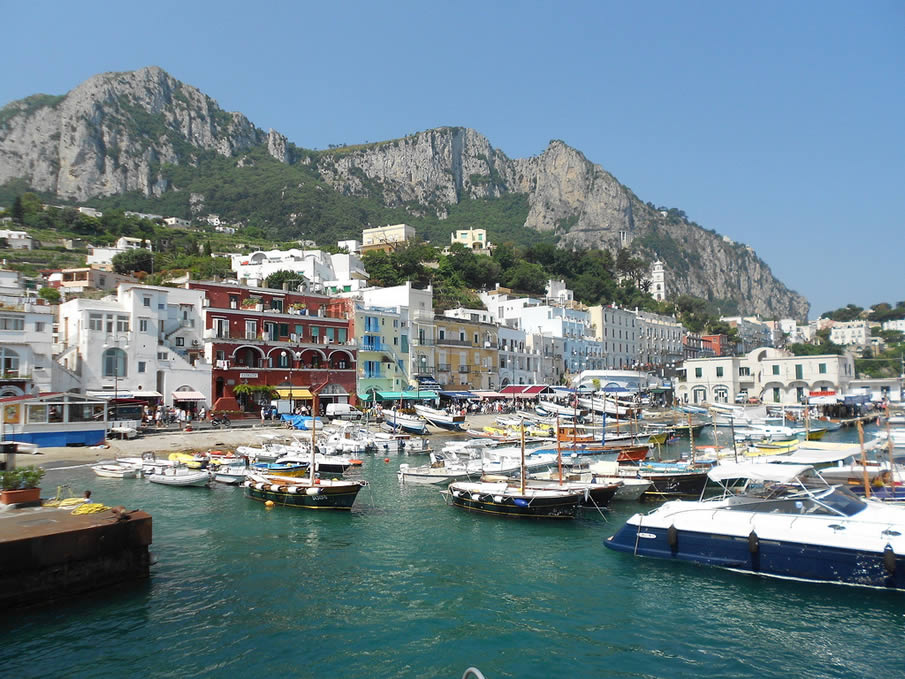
782	498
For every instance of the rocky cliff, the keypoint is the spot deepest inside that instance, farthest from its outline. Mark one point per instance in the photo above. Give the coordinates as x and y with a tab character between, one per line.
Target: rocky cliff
113	133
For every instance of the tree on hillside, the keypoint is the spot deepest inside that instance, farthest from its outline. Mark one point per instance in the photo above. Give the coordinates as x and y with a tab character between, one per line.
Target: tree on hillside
52	295
138	259
18	211
526	277
277	278
847	313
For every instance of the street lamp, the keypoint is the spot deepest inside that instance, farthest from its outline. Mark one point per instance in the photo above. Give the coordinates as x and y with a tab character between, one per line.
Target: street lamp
297	355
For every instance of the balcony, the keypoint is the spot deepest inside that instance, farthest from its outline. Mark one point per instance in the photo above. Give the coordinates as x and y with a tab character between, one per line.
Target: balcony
443	367
464	369
455	342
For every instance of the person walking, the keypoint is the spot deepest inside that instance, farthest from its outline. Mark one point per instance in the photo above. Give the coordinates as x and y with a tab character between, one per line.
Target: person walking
201	413
263	413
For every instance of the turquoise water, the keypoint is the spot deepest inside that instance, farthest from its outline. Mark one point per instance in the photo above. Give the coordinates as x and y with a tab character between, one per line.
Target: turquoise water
405	586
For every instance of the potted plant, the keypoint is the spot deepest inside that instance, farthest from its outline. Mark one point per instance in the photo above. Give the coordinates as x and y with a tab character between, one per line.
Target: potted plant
253	303
21	485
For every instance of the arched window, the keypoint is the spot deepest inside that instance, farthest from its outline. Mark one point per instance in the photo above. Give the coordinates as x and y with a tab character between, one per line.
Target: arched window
114	363
9	362
283	359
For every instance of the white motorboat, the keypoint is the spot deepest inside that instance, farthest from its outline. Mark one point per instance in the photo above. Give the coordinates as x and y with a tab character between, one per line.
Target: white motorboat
412	424
780	520
441	418
230	474
116	471
181	476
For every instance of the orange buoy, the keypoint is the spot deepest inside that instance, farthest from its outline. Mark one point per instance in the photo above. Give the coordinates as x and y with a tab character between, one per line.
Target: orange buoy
268	504
355	462
387	460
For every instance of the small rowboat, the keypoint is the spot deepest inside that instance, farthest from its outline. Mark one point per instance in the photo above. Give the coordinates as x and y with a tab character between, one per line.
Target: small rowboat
180	476
115	471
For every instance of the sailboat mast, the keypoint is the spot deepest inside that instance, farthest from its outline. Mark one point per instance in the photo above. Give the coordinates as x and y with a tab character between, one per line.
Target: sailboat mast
558	450
864	477
523	454
312	464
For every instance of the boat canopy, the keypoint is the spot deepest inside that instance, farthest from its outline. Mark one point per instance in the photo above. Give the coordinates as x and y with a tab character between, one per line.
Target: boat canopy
765	471
414	394
457	394
813	457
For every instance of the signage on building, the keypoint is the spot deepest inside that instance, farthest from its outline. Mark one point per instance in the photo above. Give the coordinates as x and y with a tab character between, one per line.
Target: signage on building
243	376
822	393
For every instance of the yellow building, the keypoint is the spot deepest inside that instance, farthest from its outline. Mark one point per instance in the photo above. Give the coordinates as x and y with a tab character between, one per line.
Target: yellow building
473	239
386	238
466	354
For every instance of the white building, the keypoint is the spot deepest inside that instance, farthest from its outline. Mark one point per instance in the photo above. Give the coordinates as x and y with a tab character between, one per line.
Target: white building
547	352
898	325
146	340
658	281
617	329
104	256
520	363
850	333
752	332
176	221
17	240
90	212
26	351
316	268
144	215
766	373
659	339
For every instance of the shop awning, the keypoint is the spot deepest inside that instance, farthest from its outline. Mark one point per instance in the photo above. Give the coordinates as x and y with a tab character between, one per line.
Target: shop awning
188	396
146	393
410	395
513	389
296	392
536	389
488	394
109	395
457	394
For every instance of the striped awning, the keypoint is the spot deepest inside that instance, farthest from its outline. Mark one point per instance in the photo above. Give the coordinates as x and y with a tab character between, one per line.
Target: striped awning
188	396
414	395
297	392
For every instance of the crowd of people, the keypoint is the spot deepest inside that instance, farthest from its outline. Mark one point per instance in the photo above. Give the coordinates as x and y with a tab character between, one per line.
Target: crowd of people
162	416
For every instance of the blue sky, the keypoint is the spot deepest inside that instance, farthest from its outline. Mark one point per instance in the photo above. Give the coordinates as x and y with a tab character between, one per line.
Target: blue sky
779	124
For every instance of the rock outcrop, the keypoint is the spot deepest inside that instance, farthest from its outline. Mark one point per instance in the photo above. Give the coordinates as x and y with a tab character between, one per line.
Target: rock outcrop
112	134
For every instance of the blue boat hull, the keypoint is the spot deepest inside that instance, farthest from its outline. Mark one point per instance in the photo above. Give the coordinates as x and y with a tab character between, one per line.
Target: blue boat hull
765	557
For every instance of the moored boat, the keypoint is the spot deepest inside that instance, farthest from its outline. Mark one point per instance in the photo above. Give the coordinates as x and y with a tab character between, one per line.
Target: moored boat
115	471
501	499
181	476
441	418
778	520
291	491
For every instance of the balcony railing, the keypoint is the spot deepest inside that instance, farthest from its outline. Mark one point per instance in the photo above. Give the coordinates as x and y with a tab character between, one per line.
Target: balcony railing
443	367
455	342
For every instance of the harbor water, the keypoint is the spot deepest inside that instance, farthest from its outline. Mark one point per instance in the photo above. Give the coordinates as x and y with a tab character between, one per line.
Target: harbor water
406	586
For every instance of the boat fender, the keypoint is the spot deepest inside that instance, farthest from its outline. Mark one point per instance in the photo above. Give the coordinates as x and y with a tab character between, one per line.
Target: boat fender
292	489
498	499
274	487
753	543
456	493
313	491
521	502
672	537
889	559
246	483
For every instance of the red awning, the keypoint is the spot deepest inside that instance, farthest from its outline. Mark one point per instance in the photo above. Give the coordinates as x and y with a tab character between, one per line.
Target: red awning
513	389
535	389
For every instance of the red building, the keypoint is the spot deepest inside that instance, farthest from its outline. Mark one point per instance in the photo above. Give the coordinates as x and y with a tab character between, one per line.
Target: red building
719	344
299	344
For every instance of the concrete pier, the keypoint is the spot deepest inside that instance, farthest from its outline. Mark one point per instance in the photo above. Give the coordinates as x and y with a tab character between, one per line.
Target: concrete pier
48	553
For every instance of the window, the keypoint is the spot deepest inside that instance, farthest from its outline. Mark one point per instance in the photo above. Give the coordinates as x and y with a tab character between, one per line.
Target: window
9	361
143	325
39	327
95	322
775	394
719	371
799	372
698	372
251	329
114	363
341	335
276	304
775	369
180	341
122	324
744	371
141	366
146	301
821	368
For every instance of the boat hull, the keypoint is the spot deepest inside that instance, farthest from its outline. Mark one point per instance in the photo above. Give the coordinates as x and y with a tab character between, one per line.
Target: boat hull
538	508
671	486
327	497
777	558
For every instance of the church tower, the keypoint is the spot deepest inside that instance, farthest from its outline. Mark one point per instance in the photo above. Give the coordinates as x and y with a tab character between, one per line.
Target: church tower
658	281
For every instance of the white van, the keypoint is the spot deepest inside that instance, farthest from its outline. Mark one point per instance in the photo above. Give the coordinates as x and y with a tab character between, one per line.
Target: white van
342	411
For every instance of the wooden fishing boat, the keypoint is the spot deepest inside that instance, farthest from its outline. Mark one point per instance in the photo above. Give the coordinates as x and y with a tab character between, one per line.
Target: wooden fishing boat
289	491
668	480
411	424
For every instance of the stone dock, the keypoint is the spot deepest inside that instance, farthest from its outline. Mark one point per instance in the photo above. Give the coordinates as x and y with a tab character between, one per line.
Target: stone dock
48	553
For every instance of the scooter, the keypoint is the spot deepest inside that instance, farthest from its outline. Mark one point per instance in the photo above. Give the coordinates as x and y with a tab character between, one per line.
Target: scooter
218	421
